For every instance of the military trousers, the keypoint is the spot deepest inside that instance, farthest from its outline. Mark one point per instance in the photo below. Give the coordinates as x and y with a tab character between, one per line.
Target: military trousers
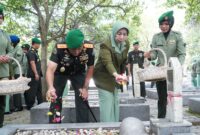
109	105
142	89
162	98
194	81
77	82
198	80
17	98
2	106
34	92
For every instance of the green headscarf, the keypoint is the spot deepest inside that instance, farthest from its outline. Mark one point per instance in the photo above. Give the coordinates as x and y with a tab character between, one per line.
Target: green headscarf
1	10
119	47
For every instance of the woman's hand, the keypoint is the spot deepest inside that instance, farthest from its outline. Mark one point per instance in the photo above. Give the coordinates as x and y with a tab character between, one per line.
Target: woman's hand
147	54
4	59
120	79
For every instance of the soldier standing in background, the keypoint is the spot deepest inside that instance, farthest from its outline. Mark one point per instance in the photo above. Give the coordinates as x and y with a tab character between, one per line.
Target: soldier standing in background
18	54
35	73
25	49
136	57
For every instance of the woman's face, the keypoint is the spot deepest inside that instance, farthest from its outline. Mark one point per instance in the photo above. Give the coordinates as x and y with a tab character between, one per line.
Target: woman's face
164	26
1	19
121	35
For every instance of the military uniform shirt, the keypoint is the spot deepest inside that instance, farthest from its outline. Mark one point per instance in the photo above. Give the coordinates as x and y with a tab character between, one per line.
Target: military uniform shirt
32	55
68	64
136	57
18	54
173	46
5	49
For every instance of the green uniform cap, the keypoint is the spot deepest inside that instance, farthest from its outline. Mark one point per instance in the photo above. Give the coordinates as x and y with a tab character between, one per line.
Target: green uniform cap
36	40
26	46
74	39
167	16
135	43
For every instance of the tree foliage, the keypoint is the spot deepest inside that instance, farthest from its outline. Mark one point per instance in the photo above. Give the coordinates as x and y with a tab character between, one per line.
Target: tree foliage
51	19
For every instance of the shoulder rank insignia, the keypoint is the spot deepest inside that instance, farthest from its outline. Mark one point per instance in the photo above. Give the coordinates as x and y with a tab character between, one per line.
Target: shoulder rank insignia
61	46
86	45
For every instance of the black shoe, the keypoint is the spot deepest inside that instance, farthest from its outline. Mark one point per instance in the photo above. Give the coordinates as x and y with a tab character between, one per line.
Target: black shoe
6	113
28	108
18	109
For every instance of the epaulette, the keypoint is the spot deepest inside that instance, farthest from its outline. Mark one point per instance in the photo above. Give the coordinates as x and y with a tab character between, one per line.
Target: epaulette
88	45
61	46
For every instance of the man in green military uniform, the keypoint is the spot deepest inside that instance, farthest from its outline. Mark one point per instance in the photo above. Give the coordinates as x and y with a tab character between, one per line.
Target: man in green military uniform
172	44
35	73
18	54
25	49
194	72
198	73
71	61
136	57
5	49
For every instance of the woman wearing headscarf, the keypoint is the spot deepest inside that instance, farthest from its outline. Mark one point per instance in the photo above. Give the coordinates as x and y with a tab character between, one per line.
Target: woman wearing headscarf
108	71
172	44
5	49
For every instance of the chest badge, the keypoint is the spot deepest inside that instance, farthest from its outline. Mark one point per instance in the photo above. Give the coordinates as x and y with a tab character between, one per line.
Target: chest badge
62	69
140	54
84	58
171	42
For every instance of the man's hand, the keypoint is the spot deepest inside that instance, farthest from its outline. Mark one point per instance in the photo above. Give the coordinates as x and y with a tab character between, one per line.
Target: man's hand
37	77
84	93
51	94
4	59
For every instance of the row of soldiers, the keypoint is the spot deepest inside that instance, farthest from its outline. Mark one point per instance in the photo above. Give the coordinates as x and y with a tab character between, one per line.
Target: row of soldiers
29	60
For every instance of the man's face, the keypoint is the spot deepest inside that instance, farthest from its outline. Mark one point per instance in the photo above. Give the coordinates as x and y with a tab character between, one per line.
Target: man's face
36	46
24	50
121	35
136	47
1	19
76	51
164	27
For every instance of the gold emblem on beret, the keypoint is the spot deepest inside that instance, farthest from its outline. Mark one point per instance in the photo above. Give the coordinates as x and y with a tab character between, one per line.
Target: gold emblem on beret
62	69
166	18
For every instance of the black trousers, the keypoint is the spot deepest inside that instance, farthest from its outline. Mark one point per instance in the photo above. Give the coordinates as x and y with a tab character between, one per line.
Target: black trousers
162	98
35	91
16	98
77	81
142	89
2	109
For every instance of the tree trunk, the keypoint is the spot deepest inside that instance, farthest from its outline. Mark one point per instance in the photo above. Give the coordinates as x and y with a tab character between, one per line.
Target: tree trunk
44	67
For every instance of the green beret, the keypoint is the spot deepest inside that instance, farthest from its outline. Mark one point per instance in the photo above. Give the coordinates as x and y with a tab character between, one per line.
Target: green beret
26	46
74	39
167	16
36	40
1	10
135	43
